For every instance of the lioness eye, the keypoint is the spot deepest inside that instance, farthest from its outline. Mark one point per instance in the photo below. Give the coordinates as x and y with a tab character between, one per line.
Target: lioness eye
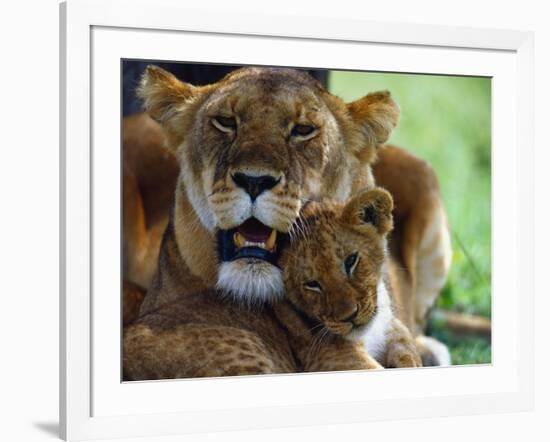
350	263
225	123
313	285
302	130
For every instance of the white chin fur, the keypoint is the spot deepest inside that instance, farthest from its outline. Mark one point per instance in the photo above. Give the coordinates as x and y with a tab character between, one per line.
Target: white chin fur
373	334
251	281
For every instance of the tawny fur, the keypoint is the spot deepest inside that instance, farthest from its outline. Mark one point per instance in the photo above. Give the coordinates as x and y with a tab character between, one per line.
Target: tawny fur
315	350
420	242
265	104
150	173
335	164
352	303
132	298
203	335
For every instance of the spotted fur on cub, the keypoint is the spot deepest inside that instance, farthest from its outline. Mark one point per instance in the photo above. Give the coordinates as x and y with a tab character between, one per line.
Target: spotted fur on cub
335	276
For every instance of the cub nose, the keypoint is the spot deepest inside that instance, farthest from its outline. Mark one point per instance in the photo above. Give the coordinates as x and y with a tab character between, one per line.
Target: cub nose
254	185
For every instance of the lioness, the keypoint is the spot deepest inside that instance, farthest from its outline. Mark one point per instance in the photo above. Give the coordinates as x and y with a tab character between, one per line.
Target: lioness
253	149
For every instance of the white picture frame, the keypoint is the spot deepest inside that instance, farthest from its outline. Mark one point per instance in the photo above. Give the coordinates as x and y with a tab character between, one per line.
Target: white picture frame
93	401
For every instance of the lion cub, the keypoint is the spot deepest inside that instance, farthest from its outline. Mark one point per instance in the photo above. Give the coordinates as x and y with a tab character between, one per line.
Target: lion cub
338	303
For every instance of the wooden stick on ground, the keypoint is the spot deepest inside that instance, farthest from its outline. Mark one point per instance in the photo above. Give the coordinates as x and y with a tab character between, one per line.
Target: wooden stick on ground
464	324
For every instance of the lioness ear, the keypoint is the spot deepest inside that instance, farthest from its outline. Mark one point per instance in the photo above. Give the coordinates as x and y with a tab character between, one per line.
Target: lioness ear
163	93
372	207
377	114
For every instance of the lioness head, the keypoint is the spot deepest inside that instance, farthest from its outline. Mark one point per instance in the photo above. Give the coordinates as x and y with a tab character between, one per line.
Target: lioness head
334	267
253	149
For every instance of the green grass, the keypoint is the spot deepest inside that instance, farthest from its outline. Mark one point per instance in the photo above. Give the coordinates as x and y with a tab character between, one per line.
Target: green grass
447	121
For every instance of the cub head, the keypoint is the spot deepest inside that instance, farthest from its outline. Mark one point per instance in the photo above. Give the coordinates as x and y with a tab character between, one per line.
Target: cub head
253	149
334	266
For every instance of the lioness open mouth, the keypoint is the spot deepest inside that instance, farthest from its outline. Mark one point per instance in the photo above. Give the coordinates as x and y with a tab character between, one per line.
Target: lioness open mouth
252	239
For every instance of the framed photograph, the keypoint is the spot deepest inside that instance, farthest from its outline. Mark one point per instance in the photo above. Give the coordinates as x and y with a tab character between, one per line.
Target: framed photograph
274	221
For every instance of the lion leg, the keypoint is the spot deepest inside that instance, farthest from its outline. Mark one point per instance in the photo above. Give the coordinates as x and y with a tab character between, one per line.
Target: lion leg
135	235
432	351
340	355
401	349
426	255
421	242
132	298
150	173
432	265
189	351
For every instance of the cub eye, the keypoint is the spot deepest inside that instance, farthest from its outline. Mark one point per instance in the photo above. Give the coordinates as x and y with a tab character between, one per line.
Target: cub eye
225	124
313	285
350	263
303	130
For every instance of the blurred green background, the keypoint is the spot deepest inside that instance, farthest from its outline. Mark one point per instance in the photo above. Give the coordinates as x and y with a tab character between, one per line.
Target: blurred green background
447	121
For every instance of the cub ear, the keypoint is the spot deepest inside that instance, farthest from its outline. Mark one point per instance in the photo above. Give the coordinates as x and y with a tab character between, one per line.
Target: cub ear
376	114
163	93
372	207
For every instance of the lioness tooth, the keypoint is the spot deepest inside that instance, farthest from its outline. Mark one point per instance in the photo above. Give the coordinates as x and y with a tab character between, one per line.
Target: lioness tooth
239	240
270	244
254	244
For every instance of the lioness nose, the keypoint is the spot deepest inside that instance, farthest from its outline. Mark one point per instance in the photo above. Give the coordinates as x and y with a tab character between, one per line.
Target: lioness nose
254	185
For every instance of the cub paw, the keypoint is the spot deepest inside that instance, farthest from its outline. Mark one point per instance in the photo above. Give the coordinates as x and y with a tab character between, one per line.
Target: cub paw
405	360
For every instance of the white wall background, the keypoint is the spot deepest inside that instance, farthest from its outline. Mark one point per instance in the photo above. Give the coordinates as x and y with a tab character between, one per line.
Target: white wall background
29	220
